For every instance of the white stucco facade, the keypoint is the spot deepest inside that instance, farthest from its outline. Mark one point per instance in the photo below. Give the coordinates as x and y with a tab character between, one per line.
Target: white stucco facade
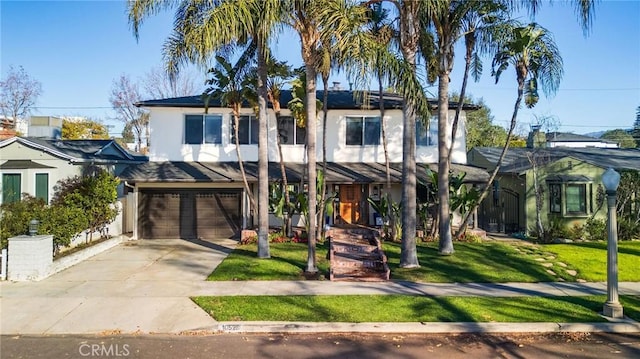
167	132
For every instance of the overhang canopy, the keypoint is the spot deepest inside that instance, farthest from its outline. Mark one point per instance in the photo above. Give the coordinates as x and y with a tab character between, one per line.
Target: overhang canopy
22	165
337	172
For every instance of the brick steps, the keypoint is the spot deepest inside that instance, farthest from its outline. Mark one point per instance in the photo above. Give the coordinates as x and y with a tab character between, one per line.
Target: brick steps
356	255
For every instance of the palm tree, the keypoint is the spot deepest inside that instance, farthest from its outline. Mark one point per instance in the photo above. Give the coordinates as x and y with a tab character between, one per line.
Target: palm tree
227	82
532	52
203	28
312	20
382	32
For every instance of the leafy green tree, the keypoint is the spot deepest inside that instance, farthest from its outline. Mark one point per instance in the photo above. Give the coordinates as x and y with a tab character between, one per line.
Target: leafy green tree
622	137
83	129
94	194
127	134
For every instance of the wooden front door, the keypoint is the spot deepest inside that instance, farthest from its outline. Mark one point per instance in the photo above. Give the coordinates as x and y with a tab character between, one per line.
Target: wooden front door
350	197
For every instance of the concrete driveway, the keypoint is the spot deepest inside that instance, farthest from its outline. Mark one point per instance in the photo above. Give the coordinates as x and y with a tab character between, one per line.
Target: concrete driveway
137	286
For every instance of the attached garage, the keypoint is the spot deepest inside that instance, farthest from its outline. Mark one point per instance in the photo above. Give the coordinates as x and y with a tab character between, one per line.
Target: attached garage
189	213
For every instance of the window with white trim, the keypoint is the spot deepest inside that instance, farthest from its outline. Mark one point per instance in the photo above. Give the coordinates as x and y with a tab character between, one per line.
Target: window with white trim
199	129
247	130
290	133
363	131
427	135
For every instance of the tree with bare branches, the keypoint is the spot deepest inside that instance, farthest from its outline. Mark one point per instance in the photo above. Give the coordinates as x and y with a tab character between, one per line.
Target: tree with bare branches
19	92
124	95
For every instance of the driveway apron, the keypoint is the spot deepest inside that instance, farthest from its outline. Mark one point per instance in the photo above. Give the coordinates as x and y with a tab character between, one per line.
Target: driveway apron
137	286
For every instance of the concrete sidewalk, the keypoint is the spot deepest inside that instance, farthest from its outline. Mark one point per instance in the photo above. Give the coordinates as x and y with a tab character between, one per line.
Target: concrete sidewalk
144	287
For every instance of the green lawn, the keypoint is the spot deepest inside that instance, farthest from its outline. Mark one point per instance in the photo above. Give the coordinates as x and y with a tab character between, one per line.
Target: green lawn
590	259
402	308
288	262
487	262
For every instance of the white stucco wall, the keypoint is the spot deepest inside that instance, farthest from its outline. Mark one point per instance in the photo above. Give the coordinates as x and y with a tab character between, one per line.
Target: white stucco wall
167	133
61	169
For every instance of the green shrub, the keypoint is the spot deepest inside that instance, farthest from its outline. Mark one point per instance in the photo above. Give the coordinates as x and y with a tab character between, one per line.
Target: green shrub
628	229
576	231
63	223
93	194
595	229
17	215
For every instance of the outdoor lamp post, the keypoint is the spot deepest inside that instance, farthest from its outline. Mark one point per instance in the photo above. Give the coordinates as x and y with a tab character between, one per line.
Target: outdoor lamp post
34	224
612	308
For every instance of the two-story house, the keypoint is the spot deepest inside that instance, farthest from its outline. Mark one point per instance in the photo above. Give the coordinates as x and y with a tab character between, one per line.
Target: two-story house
192	185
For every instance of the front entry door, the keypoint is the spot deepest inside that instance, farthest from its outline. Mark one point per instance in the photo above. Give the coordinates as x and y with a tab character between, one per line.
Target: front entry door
350	197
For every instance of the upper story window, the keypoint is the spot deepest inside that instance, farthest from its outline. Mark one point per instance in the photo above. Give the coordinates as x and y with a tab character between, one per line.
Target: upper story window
290	133
363	131
247	130
427	135
199	129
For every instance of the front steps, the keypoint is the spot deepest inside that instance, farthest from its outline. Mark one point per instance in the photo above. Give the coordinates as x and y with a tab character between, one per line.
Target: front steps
355	254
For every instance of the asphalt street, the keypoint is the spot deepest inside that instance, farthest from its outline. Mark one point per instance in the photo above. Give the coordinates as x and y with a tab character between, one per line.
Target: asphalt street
312	346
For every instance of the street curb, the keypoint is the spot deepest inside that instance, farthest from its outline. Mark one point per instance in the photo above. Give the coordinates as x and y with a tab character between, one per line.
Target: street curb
424	327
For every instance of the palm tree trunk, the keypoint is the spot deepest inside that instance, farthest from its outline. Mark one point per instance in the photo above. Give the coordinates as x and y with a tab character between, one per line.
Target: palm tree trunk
470	42
252	201
263	155
409	44
311	165
283	170
444	217
387	191
486	190
323	198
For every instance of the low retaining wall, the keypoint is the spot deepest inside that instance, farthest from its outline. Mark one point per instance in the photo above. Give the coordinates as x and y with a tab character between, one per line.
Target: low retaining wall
67	261
31	258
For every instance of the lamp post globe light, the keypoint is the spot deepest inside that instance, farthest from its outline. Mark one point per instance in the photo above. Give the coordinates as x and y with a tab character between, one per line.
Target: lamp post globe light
612	308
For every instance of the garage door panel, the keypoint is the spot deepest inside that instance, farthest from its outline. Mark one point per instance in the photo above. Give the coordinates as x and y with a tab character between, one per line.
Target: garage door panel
188	214
218	214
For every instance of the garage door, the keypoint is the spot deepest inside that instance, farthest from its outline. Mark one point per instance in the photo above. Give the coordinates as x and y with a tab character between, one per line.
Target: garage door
206	214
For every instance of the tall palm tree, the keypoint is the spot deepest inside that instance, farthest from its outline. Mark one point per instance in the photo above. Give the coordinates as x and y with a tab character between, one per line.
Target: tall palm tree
227	82
534	55
383	33
201	28
311	20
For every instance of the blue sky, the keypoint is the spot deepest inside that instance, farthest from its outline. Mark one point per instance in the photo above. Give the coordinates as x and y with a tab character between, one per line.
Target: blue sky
77	48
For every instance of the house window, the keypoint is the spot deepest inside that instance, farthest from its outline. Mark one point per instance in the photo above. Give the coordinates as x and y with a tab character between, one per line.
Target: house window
290	133
555	198
42	186
10	188
427	135
247	130
199	129
568	198
576	198
363	131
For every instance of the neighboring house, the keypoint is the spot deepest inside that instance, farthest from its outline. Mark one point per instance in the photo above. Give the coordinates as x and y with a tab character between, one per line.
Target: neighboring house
565	139
21	125
35	165
568	180
192	186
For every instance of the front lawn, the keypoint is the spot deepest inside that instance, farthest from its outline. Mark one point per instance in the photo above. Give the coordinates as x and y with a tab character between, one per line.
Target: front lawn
487	262
590	259
403	308
288	262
